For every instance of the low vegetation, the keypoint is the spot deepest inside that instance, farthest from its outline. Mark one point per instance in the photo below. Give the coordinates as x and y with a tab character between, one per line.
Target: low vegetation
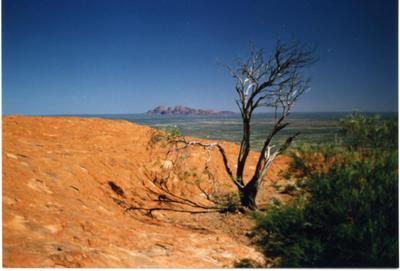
344	209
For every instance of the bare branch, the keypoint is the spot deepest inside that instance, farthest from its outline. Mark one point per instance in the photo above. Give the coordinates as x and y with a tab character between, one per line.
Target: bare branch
209	147
269	158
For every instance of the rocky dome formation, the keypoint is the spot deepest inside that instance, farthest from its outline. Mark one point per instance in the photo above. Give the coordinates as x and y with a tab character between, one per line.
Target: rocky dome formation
67	183
183	110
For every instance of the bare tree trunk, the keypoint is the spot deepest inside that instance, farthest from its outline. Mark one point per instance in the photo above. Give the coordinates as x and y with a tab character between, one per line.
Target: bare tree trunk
244	150
248	195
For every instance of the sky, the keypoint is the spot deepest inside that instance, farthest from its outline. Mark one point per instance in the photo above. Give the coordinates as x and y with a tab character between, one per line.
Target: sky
128	56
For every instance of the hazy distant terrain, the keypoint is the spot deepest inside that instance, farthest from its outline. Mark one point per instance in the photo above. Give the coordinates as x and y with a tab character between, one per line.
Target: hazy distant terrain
314	127
186	111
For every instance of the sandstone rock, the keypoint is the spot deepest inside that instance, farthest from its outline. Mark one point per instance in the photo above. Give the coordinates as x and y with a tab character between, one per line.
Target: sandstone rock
60	211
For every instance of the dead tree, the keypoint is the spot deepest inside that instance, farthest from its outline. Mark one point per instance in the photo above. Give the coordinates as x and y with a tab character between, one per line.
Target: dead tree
277	83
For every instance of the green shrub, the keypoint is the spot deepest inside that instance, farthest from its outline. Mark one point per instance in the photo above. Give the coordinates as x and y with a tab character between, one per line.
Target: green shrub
165	136
229	202
172	130
346	211
348	217
361	131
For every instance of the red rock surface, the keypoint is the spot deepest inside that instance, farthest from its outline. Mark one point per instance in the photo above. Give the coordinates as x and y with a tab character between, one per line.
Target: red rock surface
60	211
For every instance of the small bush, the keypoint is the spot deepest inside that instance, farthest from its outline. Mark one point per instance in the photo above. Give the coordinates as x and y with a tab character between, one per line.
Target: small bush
246	263
172	130
228	203
164	136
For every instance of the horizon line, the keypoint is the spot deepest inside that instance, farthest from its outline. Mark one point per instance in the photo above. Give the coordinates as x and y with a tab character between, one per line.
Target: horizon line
236	113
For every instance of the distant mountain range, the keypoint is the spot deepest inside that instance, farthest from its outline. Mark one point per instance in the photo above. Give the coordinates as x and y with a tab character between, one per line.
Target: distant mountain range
184	110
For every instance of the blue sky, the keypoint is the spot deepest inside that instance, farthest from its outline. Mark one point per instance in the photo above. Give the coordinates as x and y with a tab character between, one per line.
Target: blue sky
127	56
